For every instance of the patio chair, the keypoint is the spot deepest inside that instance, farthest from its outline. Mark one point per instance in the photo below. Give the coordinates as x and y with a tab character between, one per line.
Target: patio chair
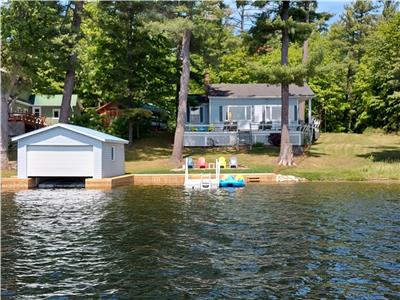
233	162
222	162
226	126
234	126
190	164
201	163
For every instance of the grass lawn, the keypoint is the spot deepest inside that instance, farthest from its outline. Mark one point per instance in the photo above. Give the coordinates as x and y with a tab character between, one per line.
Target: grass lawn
335	156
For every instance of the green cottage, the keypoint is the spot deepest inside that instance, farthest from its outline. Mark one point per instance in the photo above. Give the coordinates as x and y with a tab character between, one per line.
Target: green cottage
29	112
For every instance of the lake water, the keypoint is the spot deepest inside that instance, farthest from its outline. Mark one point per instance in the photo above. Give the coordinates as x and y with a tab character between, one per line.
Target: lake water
308	240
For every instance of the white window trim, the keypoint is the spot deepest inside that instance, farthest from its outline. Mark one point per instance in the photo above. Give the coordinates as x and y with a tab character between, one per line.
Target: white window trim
113	153
270	110
246	117
52	113
39	108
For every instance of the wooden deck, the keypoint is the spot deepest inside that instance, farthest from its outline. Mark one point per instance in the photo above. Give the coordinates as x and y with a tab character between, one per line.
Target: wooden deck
27	119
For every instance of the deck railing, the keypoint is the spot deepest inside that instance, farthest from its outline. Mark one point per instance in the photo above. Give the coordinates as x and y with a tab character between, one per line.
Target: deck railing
231	134
234	127
28	119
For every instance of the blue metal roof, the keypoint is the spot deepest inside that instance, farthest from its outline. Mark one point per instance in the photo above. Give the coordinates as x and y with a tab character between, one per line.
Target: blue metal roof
101	136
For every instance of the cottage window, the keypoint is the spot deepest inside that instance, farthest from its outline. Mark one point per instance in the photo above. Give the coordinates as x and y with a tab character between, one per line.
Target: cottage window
293	112
272	113
238	113
112	153
37	111
195	115
56	113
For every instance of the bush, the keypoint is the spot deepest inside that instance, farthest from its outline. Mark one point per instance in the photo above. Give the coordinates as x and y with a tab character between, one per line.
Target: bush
89	118
119	127
275	139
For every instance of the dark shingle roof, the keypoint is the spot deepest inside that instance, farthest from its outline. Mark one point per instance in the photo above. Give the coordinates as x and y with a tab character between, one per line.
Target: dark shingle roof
250	90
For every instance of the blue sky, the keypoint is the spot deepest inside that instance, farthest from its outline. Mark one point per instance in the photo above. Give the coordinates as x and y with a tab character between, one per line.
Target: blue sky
334	7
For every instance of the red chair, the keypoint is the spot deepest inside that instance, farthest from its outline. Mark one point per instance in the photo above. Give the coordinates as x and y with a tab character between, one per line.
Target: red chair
201	163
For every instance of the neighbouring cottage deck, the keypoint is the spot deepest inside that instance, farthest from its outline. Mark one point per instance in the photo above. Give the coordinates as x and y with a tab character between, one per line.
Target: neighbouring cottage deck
225	136
28	119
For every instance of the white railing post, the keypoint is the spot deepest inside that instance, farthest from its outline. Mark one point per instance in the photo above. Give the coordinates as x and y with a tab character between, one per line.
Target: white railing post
186	170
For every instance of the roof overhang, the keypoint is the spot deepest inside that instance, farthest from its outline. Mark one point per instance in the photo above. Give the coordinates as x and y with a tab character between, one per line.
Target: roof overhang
65	126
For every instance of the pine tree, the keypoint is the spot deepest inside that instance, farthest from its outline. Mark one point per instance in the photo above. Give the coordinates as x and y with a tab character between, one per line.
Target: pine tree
282	17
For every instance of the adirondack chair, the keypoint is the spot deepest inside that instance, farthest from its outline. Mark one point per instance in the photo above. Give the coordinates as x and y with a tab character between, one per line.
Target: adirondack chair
222	162
190	164
233	162
201	163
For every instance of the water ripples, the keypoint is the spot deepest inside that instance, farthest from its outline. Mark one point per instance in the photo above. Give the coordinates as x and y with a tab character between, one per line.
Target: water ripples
307	241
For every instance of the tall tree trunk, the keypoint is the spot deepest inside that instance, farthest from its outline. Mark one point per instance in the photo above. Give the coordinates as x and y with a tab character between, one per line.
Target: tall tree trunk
349	98
130	133
304	58
6	91
65	111
242	18
305	44
180	122
286	151
178	69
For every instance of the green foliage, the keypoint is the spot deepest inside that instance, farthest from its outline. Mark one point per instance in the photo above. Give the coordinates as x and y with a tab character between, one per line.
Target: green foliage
119	127
28	47
122	60
89	118
339	93
129	52
378	81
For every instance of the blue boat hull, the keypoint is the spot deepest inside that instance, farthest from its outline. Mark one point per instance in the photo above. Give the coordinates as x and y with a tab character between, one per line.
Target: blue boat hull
231	182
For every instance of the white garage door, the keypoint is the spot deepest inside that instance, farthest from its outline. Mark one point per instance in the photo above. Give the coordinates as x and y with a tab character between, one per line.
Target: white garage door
60	161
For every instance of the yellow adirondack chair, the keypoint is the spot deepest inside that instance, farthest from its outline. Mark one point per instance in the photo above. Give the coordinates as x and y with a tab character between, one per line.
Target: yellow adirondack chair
222	162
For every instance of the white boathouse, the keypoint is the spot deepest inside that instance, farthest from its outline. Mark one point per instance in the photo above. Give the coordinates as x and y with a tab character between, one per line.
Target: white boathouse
64	150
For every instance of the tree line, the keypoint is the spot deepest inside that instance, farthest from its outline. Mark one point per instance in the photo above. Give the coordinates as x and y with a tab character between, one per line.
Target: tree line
157	52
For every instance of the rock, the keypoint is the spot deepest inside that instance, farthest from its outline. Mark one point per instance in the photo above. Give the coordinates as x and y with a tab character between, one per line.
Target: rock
288	178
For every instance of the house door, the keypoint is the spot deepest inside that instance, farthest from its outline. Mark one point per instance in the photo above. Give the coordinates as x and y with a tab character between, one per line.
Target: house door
258	111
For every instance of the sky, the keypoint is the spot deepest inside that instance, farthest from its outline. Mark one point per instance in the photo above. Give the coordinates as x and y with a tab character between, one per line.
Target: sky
336	8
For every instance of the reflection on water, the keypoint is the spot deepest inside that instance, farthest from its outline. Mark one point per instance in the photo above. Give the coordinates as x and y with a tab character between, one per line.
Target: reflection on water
308	240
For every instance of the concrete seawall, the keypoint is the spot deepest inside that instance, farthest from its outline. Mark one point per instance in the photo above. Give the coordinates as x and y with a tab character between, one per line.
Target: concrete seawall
140	179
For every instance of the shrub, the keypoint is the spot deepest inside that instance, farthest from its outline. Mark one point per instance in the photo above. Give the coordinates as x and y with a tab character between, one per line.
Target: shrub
275	139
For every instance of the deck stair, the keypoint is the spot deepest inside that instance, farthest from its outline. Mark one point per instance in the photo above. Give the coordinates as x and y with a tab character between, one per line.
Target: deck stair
253	179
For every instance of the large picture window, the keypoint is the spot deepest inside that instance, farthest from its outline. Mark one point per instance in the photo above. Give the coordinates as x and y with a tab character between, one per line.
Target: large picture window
238	113
272	113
